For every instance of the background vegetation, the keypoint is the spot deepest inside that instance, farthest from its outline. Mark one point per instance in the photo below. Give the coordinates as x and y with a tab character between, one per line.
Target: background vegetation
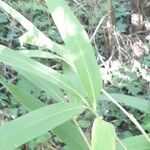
119	31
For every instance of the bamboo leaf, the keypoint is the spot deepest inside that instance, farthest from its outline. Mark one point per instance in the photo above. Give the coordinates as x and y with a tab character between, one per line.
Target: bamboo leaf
87	70
27	100
103	135
135	143
69	128
35	123
43	54
78	45
30	68
33	35
138	103
73	137
41	41
40	54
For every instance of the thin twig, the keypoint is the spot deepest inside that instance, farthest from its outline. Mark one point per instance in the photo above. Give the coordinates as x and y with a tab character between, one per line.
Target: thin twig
98	26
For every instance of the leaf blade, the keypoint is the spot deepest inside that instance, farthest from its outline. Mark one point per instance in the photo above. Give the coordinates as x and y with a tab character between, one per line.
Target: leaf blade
69	128
103	135
29	67
79	48
135	143
38	38
36	123
138	103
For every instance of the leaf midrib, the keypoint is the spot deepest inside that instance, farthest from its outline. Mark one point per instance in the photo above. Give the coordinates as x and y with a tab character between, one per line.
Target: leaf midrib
87	70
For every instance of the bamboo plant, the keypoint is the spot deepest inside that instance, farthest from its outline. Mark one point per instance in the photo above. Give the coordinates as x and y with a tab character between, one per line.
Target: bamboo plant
80	80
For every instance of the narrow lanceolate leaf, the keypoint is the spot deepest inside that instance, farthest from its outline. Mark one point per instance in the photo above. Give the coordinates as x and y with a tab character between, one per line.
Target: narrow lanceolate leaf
135	143
35	123
40	54
33	35
24	98
74	139
29	67
138	103
76	82
69	128
103	135
78	46
45	55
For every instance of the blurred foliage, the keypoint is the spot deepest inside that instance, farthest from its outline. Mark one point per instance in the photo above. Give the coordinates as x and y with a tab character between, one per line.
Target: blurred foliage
118	77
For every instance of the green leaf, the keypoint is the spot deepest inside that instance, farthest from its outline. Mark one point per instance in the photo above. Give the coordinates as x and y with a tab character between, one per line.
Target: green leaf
27	100
70	75
103	135
72	137
138	103
133	88
135	143
40	54
70	129
84	123
36	37
28	86
35	123
37	72
87	70
43	54
51	89
3	19
146	122
78	46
